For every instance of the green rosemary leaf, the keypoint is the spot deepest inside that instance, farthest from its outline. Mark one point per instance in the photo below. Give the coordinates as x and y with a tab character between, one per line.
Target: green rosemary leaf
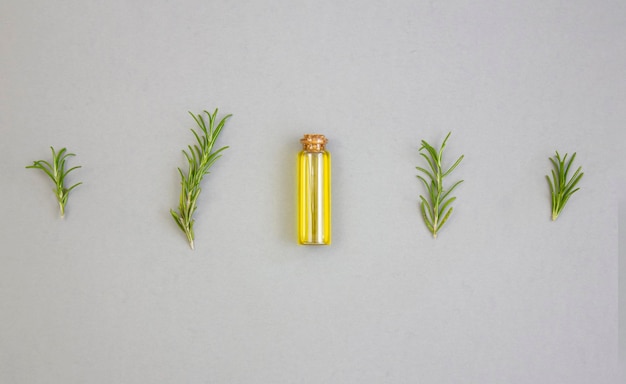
556	180
426	220
453	166
445	218
70	170
189	160
445	205
427	204
451	189
39	162
430	175
433	154
433	193
48	171
571	185
569	164
177	219
430	163
73	168
551	185
72	187
425	183
443	145
220	126
215	155
199	121
200	141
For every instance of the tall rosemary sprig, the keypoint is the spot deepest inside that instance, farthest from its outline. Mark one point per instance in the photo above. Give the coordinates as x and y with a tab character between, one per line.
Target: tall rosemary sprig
561	188
434	207
57	173
200	158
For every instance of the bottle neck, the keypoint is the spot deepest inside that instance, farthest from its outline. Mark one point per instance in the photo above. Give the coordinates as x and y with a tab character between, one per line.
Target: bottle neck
314	143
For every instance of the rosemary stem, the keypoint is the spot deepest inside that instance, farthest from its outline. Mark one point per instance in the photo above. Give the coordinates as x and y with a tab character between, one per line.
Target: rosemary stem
200	157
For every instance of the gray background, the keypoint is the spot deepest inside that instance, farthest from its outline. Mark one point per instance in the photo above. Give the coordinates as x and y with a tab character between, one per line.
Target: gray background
112	294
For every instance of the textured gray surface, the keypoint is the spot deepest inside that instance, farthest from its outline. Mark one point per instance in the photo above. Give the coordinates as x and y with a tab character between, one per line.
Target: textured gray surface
113	294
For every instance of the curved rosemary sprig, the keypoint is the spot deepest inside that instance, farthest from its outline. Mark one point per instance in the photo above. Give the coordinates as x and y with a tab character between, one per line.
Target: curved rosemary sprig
434	208
199	158
561	188
56	171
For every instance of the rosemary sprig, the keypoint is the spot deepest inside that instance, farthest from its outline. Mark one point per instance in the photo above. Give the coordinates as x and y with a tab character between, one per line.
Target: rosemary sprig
434	208
57	173
561	188
199	158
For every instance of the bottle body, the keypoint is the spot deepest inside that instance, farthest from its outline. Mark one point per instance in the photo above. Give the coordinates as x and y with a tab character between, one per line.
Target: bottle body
314	196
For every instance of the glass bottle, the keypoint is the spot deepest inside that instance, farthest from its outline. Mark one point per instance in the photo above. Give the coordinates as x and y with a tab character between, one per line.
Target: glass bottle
314	191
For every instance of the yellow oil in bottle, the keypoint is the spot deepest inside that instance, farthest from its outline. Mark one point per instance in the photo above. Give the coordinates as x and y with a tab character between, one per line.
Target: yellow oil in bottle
314	191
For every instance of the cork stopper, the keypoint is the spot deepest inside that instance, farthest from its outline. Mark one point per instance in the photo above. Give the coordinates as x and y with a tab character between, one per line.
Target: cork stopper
314	142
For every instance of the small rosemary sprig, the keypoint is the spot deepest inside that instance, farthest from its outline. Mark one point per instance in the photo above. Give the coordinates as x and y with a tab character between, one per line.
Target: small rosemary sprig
57	173
434	208
561	188
199	158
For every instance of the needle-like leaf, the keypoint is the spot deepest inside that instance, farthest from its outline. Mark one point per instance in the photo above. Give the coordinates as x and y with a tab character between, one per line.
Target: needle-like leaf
426	219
